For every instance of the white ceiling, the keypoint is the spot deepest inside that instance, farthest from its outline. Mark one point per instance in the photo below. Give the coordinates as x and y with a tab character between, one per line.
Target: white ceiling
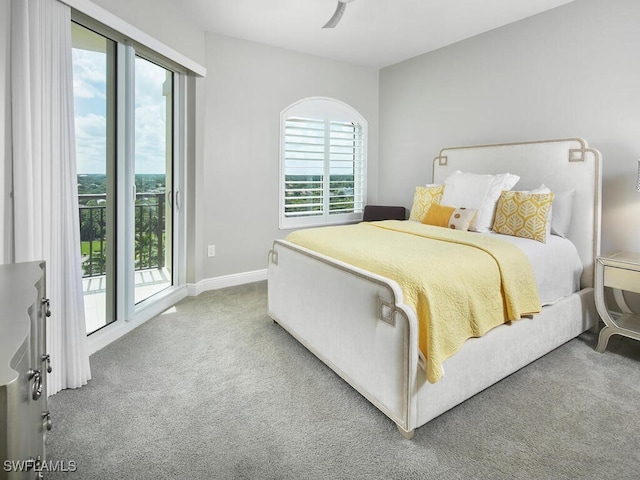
374	33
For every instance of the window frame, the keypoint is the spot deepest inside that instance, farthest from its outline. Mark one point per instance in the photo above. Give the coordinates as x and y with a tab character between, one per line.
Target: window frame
327	110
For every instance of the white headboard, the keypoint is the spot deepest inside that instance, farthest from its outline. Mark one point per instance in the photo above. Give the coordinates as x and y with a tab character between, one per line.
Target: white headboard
562	165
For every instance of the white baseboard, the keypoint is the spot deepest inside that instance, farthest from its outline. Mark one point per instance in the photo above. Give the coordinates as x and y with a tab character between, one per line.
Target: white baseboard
225	281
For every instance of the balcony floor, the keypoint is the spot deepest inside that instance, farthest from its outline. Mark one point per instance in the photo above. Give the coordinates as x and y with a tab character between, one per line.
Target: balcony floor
147	283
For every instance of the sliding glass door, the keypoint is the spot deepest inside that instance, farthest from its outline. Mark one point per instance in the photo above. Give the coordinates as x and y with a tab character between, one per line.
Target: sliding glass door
94	72
153	178
125	144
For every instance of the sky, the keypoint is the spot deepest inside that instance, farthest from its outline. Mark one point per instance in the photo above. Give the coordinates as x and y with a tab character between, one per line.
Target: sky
89	83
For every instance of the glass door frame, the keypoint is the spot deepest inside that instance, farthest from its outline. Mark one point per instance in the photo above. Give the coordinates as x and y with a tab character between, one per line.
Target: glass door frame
129	315
126	196
127	308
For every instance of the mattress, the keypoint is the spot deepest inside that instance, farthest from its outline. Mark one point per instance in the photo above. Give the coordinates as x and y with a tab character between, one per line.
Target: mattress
556	265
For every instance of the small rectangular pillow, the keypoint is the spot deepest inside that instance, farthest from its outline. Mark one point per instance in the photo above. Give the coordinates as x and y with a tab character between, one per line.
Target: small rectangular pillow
523	214
450	217
438	215
423	198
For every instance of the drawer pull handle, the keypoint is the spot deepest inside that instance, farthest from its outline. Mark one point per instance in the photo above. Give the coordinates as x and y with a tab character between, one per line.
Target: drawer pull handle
36	389
46	420
45	301
47	358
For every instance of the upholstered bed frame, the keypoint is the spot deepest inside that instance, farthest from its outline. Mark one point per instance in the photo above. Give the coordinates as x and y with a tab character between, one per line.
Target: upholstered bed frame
357	324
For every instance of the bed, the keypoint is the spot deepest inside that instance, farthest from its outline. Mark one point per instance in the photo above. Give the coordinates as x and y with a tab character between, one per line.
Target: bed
358	323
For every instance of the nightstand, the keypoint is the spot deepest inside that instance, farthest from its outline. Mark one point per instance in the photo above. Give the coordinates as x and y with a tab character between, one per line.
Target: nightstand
619	271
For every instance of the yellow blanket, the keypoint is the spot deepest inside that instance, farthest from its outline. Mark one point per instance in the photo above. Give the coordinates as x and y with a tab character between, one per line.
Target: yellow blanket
460	284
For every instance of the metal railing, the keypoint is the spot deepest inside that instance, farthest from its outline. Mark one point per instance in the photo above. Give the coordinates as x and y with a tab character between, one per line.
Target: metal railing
149	232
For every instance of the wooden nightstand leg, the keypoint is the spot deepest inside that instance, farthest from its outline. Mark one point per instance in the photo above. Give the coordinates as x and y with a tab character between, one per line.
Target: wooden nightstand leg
603	339
622	304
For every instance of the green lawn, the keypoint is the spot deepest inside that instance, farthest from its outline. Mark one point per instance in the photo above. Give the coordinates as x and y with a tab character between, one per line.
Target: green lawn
84	247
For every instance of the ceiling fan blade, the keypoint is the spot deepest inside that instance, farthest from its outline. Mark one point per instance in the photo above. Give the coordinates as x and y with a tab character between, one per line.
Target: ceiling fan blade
333	21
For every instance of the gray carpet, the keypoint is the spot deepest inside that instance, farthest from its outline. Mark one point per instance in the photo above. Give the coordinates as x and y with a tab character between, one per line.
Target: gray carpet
213	389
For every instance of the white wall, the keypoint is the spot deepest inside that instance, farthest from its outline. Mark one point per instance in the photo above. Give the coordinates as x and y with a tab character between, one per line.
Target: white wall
164	20
248	85
572	71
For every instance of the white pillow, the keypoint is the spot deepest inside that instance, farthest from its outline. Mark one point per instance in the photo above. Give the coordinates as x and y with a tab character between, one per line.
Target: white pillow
479	192
559	216
562	208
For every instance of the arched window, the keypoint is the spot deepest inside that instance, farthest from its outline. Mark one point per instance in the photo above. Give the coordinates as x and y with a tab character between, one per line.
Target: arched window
323	163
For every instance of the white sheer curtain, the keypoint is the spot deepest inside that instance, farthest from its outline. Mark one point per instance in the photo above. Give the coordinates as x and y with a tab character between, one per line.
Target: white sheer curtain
6	177
46	224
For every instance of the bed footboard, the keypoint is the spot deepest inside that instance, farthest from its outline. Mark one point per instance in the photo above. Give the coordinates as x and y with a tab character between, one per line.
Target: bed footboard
313	297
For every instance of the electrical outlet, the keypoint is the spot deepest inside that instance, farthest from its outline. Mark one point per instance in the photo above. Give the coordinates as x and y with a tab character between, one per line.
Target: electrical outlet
211	250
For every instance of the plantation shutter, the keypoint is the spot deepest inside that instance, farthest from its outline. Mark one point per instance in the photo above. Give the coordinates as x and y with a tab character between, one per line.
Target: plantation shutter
323	167
346	168
304	166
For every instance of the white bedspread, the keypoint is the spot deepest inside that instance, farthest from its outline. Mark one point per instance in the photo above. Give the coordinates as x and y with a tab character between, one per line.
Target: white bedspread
556	265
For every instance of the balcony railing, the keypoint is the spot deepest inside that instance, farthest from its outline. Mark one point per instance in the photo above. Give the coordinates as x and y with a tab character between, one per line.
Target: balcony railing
149	232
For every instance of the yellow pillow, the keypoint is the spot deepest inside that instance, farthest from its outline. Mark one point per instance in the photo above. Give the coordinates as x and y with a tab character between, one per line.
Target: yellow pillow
423	198
523	214
438	215
450	217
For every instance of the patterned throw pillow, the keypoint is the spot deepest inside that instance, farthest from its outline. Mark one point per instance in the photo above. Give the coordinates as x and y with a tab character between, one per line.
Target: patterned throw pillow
423	198
461	218
523	214
450	217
